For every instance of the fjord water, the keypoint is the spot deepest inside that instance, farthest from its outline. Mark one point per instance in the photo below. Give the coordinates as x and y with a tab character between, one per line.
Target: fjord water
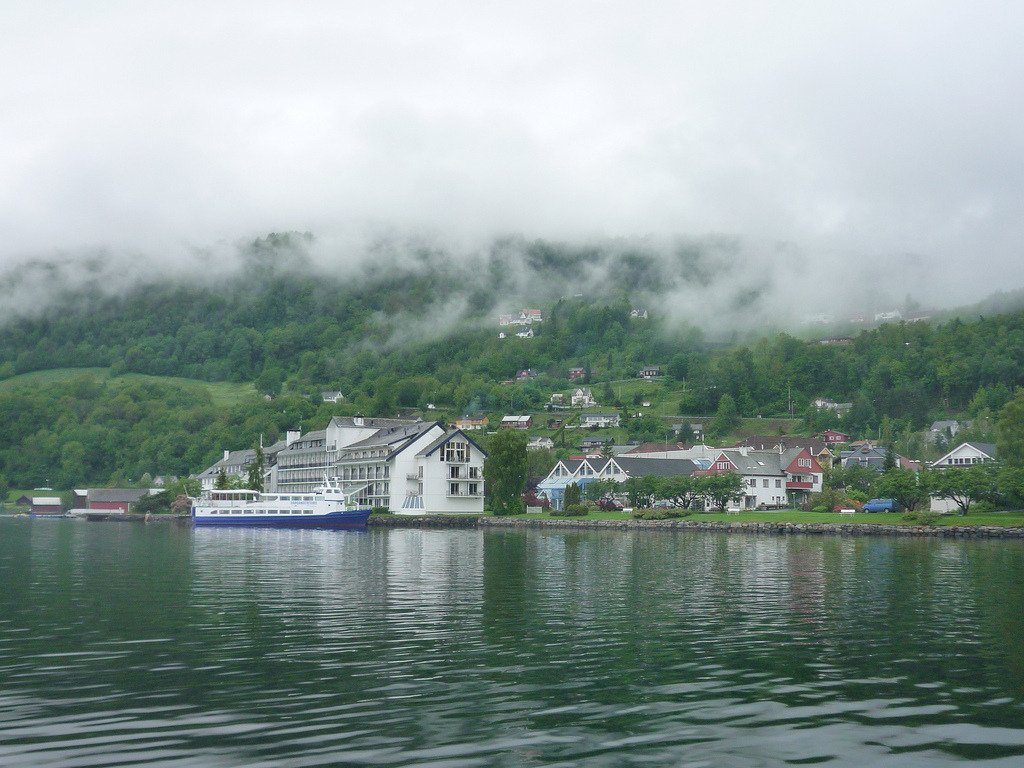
158	645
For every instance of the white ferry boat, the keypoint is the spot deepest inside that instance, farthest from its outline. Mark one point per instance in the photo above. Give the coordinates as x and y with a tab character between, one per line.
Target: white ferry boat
327	507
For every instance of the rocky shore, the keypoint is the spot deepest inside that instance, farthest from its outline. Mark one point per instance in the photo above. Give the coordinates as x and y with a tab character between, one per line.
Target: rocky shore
768	528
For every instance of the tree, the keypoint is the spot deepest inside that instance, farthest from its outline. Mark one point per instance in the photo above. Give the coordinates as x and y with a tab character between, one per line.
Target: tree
721	488
965	485
505	471
572	495
903	485
727	416
1010	434
889	460
641	490
222	483
256	469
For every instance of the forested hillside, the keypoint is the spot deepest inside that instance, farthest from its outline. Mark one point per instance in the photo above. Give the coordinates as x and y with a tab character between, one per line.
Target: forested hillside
405	335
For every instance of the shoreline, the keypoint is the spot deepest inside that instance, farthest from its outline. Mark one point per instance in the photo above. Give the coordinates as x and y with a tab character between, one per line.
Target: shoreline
685	525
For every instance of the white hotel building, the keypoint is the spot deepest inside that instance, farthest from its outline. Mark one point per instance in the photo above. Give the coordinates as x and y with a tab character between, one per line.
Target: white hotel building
408	466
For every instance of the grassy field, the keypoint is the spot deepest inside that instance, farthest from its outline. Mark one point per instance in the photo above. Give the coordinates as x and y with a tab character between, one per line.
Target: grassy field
224	393
1006	519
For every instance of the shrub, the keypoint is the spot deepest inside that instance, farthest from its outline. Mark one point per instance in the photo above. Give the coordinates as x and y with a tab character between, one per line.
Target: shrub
921	518
983	507
380	511
570	510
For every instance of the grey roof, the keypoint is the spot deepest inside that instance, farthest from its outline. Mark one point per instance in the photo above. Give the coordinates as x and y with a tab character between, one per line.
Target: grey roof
636	467
448	436
989	449
767	443
757	462
116	494
46	501
391	435
940	426
367	421
243	457
276	448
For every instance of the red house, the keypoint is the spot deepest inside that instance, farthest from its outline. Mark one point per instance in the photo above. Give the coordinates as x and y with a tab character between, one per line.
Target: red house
832	437
47	505
114	499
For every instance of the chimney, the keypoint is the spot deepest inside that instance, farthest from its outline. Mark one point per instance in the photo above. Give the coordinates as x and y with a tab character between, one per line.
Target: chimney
226	454
291	436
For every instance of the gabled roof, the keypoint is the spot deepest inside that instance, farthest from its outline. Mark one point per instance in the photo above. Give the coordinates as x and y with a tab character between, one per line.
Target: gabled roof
443	439
106	495
944	424
757	462
989	449
638	467
46	501
243	457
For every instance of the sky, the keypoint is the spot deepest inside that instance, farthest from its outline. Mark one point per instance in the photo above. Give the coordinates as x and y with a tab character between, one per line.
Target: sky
841	143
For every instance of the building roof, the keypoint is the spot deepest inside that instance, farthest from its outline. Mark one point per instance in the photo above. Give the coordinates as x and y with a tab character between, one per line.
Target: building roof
637	467
445	438
611	415
767	443
115	495
243	457
944	424
369	421
394	438
46	501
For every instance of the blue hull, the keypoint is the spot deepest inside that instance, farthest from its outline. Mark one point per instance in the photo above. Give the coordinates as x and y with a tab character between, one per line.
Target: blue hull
353	519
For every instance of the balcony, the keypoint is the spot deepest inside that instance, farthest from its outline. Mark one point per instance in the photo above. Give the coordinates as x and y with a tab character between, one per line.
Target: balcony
793	485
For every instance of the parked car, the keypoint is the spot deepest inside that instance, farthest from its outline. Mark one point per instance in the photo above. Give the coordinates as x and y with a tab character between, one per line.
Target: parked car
881	505
609	505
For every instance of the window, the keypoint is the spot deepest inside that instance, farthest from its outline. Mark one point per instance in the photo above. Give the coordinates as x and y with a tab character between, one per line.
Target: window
764	483
778	483
474	489
453	489
456	452
752	482
454	472
474	473
804	462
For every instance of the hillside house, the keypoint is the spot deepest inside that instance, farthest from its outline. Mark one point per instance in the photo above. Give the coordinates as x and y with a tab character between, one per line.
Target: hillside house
583	398
516	422
575	374
600	420
526	374
332	397
819	448
467	423
943	431
649	372
824	404
540	443
833	437
874	458
557	399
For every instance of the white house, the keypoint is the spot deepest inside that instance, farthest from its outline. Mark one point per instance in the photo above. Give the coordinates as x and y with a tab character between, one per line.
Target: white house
944	429
618	468
331	397
600	420
964	455
539	443
583	398
771	478
235	464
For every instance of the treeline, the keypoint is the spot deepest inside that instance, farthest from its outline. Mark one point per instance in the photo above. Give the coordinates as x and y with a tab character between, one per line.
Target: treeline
405	335
94	432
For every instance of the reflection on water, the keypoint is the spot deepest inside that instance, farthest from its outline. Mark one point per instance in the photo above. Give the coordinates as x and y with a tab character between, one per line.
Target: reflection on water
157	645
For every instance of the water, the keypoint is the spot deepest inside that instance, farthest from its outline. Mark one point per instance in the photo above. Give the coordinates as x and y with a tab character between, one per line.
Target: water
155	645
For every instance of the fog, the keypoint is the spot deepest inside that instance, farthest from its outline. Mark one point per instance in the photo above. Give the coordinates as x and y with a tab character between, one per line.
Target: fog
823	155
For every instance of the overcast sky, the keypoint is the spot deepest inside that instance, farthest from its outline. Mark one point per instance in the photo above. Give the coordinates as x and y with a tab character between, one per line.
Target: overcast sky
889	132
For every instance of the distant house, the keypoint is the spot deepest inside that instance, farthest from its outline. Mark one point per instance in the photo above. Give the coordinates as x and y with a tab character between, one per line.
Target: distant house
941	431
234	463
600	420
839	341
583	398
504	319
833	437
888	316
46	505
581	470
590	443
649	372
527	334
577	373
538	443
23	501
817	447
557	399
471	422
638	314
873	458
526	374
516	422
529	316
967	454
332	397
824	404
114	499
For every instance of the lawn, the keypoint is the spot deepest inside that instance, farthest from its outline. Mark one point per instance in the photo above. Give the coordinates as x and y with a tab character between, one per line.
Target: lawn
224	393
1005	519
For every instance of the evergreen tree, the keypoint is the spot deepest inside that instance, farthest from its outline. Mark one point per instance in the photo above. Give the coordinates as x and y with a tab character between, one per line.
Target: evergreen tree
222	483
505	471
573	495
256	469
